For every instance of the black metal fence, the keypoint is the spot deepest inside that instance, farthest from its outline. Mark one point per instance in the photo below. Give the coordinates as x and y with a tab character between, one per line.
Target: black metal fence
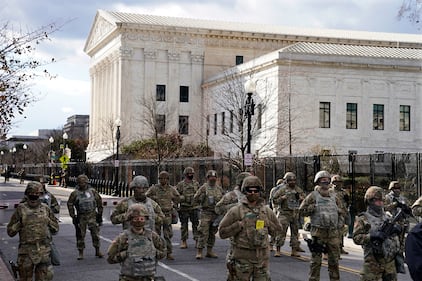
358	171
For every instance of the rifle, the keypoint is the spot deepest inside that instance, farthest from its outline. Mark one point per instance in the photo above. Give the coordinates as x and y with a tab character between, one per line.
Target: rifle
217	220
15	269
314	246
407	211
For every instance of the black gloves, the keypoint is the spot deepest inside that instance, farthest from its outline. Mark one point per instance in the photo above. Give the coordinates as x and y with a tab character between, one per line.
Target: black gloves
99	219
377	235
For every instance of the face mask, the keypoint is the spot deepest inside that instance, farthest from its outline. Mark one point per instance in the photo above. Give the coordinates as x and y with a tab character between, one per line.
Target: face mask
190	177
252	197
33	197
140	196
138	224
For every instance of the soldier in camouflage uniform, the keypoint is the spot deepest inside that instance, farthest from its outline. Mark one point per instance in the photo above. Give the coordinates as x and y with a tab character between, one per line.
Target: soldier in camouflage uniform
228	201
343	196
34	222
137	249
188	210
392	202
417	207
167	197
207	196
286	202
248	224
378	264
324	209
87	203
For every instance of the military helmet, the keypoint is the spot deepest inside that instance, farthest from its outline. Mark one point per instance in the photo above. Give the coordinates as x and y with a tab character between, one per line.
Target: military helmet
336	178
82	177
392	184
211	173
289	176
139	181
33	187
373	192
163	174
321	174
251	181
240	177
136	210
188	170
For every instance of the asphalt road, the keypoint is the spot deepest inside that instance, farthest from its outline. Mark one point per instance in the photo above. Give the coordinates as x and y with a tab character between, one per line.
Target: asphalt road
184	267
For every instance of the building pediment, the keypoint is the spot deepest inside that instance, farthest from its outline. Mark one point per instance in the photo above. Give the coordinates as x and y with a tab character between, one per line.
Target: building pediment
101	28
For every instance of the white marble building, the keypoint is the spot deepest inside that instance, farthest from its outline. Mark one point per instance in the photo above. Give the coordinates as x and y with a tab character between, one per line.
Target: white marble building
346	90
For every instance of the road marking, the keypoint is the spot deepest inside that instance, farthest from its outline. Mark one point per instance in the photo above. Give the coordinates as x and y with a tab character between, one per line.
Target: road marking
163	265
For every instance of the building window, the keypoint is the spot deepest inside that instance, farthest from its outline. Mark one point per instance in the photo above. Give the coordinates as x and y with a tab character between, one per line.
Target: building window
351	116
184	94
223	123
208	125
324	115
378	117
160	123
161	92
239	60
231	121
259	117
215	124
404	117
183	125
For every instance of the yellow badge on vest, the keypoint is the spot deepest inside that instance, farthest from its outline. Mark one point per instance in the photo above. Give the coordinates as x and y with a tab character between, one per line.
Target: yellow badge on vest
259	224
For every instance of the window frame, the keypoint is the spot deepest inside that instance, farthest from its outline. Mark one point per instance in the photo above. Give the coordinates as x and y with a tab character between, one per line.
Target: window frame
160	92
324	114
351	115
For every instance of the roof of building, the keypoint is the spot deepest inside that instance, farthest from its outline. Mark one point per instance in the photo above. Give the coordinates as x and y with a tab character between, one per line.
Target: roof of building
153	20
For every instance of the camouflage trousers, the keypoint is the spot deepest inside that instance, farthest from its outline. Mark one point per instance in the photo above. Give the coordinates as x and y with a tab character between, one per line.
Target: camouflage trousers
185	216
286	221
167	231
206	230
43	270
333	252
257	270
88	221
373	270
127	278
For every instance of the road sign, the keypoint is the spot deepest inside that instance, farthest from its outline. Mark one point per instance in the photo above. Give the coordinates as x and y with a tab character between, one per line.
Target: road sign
248	159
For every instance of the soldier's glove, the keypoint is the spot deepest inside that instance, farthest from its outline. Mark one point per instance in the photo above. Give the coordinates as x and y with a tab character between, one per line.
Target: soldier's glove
376	235
397	229
297	196
122	256
99	219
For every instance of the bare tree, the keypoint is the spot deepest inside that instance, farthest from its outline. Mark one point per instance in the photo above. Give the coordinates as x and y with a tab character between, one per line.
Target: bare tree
412	11
18	67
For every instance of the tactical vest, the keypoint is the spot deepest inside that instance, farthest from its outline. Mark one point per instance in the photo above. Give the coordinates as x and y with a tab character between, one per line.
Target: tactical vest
291	202
188	190
85	201
148	205
390	246
141	254
326	211
212	196
164	197
35	222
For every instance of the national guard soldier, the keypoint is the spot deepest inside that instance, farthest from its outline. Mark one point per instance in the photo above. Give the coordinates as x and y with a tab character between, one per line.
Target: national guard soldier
414	252
139	185
278	185
343	196
286	203
137	249
206	197
188	209
87	203
324	209
379	250
248	224
34	222
167	197
228	201
394	202
417	207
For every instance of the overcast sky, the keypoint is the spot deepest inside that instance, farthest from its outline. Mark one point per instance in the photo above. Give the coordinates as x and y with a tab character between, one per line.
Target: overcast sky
69	93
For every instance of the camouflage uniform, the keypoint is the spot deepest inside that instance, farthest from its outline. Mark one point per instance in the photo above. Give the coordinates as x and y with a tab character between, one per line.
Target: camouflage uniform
167	197
87	203
248	224
324	209
366	224
137	250
207	196
417	207
286	203
188	209
34	222
139	184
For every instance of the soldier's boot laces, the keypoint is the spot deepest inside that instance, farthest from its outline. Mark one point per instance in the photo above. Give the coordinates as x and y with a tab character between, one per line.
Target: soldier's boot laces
81	255
170	257
211	254
98	253
198	254
183	244
294	253
277	252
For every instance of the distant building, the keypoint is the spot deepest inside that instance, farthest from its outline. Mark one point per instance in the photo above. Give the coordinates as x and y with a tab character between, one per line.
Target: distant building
77	126
350	90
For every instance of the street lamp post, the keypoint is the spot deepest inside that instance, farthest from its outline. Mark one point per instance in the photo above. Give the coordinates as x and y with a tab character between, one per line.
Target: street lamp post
25	147
65	137
50	164
116	161
249	111
13	150
2	155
